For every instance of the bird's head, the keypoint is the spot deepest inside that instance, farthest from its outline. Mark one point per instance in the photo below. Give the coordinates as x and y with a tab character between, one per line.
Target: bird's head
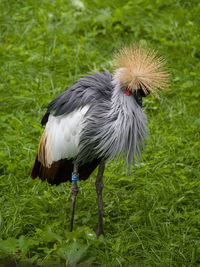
140	71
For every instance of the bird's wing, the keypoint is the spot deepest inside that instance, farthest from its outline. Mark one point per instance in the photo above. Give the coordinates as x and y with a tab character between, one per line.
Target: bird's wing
61	136
89	90
66	115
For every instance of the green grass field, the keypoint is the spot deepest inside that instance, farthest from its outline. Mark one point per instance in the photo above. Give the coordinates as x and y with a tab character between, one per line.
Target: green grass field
151	218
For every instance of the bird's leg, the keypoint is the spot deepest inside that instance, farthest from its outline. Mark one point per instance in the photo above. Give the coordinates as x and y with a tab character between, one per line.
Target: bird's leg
99	187
74	192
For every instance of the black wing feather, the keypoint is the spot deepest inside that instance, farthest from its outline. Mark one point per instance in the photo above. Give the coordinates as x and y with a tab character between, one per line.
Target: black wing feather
88	90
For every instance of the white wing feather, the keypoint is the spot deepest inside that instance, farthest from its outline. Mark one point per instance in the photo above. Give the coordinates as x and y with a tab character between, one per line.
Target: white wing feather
63	134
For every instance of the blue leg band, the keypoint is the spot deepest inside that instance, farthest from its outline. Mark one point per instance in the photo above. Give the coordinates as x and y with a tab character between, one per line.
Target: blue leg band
74	177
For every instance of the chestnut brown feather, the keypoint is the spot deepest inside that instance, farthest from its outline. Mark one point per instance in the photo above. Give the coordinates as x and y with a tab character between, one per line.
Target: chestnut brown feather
60	171
44	153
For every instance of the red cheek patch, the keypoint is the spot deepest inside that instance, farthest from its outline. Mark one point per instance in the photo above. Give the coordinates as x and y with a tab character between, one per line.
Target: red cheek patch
127	92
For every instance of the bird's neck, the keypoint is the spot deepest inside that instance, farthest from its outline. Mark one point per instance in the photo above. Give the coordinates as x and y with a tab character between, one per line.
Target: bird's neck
128	123
122	102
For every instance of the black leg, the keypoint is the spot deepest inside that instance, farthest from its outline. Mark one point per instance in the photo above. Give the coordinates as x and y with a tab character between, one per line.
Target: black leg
74	192
99	187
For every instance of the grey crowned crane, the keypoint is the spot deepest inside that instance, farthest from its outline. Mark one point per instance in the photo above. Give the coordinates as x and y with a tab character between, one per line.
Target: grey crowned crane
96	119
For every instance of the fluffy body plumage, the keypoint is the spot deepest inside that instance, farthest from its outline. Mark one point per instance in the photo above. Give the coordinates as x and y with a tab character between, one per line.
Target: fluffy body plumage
91	120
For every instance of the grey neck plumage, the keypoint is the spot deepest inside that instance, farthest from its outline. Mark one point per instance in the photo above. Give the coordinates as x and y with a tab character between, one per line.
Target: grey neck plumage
116	127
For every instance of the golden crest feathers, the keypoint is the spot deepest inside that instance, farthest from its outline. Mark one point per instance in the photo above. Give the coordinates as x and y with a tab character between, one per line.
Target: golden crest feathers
138	67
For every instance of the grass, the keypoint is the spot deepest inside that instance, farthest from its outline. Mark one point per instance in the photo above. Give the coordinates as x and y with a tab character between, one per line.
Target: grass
151	218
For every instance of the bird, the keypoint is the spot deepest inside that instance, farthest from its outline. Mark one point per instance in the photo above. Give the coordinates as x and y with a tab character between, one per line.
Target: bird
99	118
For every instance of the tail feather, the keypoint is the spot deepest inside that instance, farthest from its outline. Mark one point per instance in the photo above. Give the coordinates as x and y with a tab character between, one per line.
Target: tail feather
60	171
